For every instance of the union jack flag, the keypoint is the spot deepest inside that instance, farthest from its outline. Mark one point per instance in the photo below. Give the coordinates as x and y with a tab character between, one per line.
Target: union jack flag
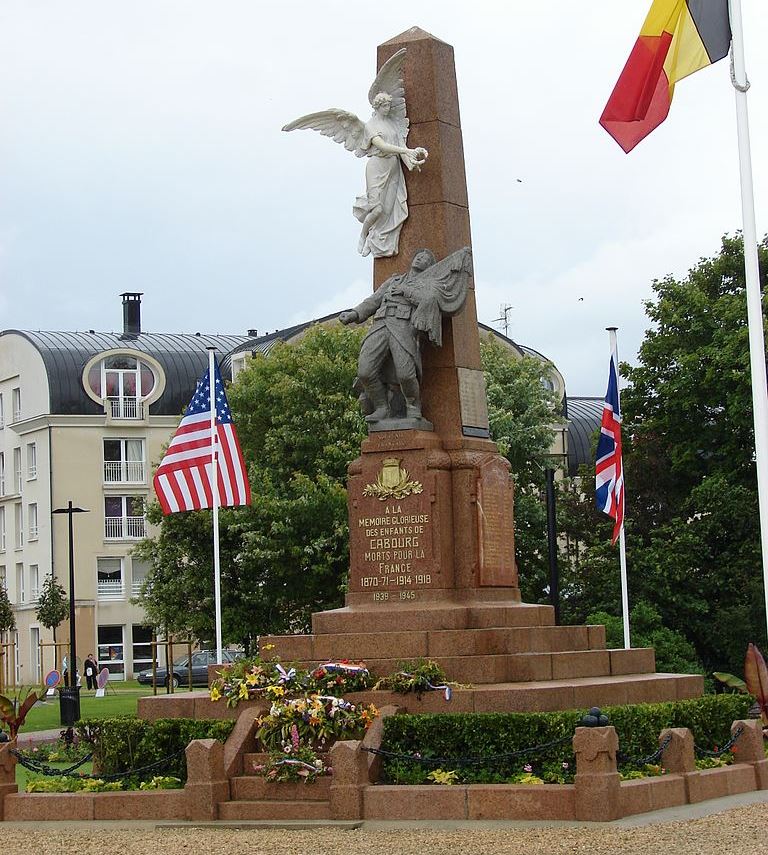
609	473
182	481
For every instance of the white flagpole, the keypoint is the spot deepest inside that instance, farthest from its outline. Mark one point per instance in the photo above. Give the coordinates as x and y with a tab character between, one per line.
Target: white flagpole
752	276
215	492
622	543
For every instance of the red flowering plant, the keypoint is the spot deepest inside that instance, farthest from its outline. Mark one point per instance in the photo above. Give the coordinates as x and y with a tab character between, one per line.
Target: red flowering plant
294	762
339	678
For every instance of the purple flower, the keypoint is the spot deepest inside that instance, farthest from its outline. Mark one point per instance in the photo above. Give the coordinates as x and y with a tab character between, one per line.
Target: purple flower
527	768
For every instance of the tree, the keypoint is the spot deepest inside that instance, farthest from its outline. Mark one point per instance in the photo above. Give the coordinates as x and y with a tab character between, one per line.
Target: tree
52	607
693	543
7	617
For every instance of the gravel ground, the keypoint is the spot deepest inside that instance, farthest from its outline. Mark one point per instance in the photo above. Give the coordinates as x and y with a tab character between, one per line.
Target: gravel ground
741	830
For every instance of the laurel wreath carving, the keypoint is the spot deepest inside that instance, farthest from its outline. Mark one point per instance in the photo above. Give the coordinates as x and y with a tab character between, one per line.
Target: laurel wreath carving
403	488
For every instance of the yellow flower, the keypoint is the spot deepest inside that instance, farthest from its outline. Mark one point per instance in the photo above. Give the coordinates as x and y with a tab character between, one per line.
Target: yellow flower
251	679
215	693
276	691
243	694
268	647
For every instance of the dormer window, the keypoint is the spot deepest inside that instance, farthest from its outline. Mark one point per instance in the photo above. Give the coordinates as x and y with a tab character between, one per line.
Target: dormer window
124	382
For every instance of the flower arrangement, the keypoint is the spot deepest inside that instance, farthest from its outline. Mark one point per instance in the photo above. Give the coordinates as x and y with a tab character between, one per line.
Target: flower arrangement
254	677
419	676
295	762
318	719
338	678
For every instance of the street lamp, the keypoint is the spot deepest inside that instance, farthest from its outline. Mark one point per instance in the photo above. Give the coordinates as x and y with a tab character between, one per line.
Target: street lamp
70	708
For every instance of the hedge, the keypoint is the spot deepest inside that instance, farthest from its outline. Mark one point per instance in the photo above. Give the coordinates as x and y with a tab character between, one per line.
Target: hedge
126	743
455	736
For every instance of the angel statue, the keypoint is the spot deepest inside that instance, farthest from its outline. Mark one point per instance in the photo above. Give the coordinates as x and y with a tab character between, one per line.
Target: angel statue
383	209
407	311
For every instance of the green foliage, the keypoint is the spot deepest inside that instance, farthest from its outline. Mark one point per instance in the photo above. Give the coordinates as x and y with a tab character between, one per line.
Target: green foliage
452	736
7	618
71	784
286	555
52	603
127	743
674	654
417	675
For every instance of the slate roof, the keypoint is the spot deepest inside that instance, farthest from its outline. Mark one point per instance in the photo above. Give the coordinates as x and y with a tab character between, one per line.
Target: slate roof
584	415
182	356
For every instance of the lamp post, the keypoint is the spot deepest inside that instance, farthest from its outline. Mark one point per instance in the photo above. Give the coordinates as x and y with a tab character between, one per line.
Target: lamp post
70	708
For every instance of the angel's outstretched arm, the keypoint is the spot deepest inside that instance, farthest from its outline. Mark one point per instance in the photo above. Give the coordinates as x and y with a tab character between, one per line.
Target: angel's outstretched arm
414	158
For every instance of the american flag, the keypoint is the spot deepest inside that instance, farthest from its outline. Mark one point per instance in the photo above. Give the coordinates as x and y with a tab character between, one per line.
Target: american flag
609	473
183	479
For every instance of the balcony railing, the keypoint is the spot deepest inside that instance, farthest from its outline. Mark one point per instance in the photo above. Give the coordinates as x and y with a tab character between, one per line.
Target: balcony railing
124	471
125	528
33	532
126	408
17	415
31	472
110	589
135	591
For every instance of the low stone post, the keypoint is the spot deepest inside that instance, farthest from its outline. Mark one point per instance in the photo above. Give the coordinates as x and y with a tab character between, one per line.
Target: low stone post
597	779
7	773
207	782
750	748
678	757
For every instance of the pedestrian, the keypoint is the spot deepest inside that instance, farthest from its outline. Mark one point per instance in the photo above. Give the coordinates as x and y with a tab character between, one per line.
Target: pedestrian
91	668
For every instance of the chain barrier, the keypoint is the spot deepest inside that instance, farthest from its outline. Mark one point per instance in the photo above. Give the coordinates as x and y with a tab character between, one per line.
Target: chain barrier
651	759
43	769
467	761
718	752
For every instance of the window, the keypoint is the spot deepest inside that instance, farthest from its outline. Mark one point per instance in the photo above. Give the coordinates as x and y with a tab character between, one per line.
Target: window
3	578
34	653
31	460
34	582
123	381
32	517
17	477
139	571
18	520
142	647
2	529
16	395
124	461
21	594
2	473
124	518
110	650
2	418
109	578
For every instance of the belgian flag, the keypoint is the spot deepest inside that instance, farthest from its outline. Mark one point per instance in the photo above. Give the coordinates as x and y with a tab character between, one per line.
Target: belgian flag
677	38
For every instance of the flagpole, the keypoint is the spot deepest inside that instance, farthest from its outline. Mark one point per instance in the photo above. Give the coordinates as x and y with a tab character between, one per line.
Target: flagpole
215	492
622	543
752	277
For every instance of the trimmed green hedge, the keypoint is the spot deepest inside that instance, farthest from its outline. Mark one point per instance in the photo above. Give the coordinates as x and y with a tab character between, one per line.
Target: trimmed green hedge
457	735
126	743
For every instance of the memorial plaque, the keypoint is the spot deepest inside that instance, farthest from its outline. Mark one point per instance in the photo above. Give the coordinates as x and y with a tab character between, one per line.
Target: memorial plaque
474	402
496	544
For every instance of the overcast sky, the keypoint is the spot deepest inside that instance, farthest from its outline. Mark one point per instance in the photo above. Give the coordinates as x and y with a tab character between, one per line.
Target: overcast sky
140	150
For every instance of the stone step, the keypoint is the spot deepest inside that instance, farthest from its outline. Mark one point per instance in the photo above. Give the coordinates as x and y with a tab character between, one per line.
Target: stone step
250	788
436	643
262	809
426	616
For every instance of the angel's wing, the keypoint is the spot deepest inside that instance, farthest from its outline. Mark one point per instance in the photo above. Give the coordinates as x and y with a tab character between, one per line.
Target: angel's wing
390	80
341	126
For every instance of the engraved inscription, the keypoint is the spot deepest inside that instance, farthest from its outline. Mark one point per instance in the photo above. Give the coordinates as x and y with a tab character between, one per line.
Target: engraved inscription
495	537
472	398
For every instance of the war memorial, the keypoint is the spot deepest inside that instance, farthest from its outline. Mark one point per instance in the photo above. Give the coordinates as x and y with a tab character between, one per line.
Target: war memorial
431	521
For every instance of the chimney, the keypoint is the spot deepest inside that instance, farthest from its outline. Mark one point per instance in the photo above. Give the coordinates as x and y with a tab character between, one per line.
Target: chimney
131	314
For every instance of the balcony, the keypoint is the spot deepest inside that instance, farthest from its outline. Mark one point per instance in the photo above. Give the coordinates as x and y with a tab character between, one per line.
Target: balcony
125	408
125	528
124	472
110	589
17	416
32	532
136	590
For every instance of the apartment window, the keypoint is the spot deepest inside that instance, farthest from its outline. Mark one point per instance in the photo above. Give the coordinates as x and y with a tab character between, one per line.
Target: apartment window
142	647
18	520
34	653
34	582
2	473
17	476
3	577
31	460
124	461
32	528
123	381
2	529
16	397
110	650
139	571
21	593
124	518
2	417
109	578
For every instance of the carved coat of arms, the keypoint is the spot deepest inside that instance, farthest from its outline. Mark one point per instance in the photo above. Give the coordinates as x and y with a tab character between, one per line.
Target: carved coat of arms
392	482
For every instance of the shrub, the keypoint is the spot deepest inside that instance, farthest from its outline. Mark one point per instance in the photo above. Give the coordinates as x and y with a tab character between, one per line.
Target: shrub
451	738
126	743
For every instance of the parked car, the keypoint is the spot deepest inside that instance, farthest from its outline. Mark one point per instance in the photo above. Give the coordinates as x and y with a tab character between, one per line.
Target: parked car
201	659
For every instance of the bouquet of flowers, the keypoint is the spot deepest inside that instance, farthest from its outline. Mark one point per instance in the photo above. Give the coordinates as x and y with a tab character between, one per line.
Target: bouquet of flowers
419	675
295	762
339	678
253	678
